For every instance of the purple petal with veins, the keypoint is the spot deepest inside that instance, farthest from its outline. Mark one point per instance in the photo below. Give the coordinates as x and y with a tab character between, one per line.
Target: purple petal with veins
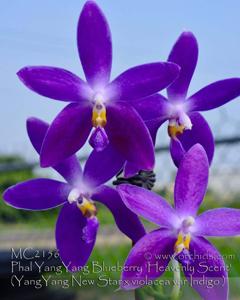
125	219
185	54
102	166
72	243
67	134
55	83
94	45
129	135
191	181
69	168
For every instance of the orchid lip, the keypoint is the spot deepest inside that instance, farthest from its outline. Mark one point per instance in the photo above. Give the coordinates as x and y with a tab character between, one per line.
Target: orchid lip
99	139
83	202
87	207
178	124
182	243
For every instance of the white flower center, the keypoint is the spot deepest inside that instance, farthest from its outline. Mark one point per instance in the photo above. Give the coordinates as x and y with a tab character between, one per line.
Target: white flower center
98	98
188	222
74	195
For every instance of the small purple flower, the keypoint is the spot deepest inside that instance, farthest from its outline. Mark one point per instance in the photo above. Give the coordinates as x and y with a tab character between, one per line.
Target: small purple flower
182	230
98	104
77	224
186	125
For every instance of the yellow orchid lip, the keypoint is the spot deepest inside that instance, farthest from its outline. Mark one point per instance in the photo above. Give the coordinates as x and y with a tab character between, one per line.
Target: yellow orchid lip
183	242
99	115
175	130
87	208
178	124
184	235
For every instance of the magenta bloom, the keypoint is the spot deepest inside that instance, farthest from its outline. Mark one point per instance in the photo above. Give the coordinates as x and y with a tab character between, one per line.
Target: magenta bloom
186	125
98	103
182	231
77	224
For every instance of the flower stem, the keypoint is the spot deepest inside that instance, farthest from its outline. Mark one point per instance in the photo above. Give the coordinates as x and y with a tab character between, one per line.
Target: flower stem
138	294
176	280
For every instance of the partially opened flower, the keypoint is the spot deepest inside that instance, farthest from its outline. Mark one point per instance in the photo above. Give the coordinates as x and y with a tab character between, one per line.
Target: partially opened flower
99	103
77	223
186	125
182	231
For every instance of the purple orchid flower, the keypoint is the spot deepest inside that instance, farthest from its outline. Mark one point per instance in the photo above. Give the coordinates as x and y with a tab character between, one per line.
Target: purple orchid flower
77	224
181	233
98	103
186	125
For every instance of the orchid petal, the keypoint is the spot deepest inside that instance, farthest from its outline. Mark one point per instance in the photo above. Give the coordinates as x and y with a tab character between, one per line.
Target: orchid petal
177	151
94	45
36	130
67	134
148	205
153	107
153	127
185	54
218	222
206	272
199	134
128	134
154	110
70	168
37	194
155	248
142	81
55	83
191	181
71	229
130	169
215	95
102	166
126	220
